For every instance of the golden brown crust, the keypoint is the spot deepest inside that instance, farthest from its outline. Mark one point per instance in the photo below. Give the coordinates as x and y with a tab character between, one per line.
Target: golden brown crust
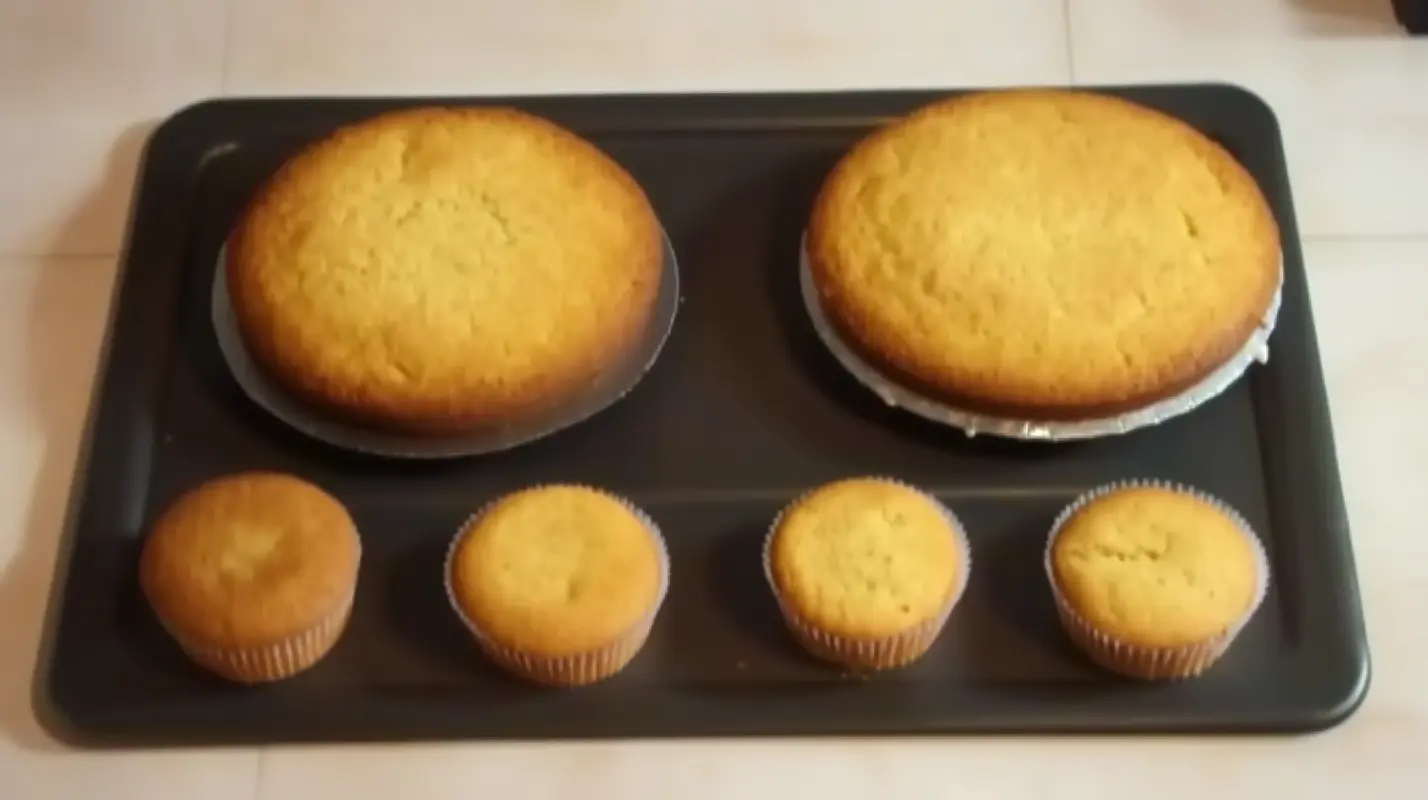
1043	254
556	571
249	560
444	269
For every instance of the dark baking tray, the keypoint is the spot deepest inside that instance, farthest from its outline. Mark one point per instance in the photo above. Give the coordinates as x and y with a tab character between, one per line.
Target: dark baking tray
743	411
1412	15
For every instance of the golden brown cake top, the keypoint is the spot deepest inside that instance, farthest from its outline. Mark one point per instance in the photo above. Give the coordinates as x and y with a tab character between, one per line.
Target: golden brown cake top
1056	253
556	570
249	559
865	558
1155	567
443	264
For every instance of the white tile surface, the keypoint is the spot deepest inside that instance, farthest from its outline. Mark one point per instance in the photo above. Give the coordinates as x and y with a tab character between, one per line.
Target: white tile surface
1369	308
52	314
80	82
1350	89
465	47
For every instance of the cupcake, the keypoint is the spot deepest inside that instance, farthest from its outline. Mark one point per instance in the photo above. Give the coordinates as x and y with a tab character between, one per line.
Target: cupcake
1154	581
445	270
252	574
866	571
1043	255
559	584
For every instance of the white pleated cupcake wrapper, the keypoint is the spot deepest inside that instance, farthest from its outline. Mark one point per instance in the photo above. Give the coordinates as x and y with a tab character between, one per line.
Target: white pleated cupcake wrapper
271	662
893	393
581	668
881	653
1146	663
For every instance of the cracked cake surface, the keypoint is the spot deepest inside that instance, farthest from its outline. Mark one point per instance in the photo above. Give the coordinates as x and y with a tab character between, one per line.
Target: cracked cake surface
443	269
1043	254
1154	567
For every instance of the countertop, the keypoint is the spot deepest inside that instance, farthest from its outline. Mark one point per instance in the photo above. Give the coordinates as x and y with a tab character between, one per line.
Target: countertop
82	82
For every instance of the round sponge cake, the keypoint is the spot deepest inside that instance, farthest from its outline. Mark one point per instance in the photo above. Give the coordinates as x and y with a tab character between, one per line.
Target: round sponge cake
1051	255
445	269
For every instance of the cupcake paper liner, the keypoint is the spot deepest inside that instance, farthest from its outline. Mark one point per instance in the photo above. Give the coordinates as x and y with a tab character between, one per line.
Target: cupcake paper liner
880	653
273	662
893	393
1152	663
577	669
606	391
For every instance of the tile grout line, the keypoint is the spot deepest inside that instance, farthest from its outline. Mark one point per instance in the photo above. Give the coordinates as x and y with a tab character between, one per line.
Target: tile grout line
40	255
224	62
1070	44
258	773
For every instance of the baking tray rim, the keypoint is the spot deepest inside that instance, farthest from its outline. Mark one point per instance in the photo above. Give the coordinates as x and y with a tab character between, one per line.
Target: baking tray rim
65	716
